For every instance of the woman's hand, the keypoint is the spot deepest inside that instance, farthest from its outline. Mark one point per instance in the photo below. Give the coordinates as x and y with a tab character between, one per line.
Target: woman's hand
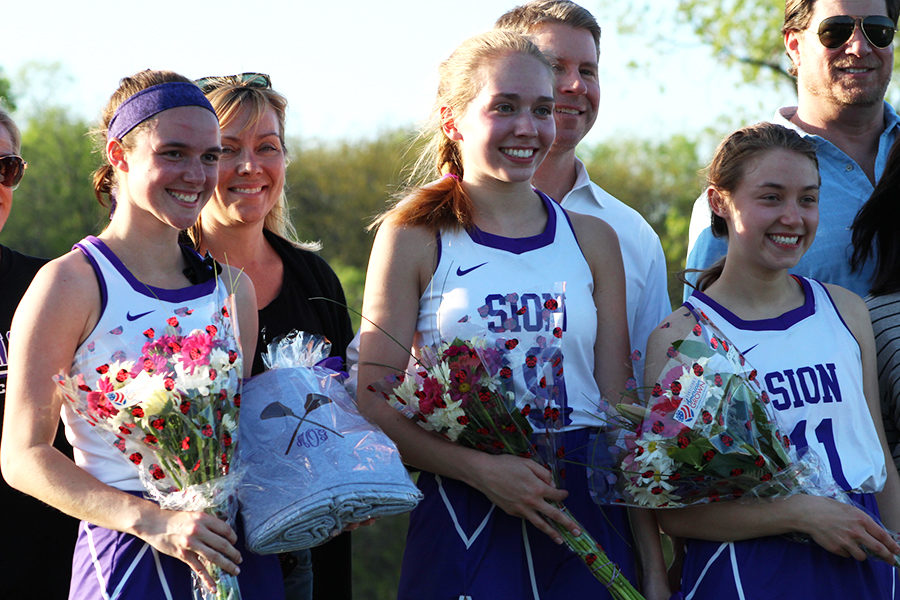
843	529
192	536
523	488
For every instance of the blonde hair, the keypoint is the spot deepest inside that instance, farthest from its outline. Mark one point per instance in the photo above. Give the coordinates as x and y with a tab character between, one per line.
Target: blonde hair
229	99
445	203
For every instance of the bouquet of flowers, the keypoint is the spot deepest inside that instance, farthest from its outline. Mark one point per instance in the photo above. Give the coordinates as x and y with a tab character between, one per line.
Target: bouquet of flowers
463	391
707	433
173	412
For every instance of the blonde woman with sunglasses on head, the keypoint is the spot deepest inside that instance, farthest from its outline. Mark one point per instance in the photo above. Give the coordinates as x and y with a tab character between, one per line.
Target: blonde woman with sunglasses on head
246	225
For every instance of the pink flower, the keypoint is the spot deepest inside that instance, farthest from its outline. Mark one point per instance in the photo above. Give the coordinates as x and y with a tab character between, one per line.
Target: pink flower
195	350
100	406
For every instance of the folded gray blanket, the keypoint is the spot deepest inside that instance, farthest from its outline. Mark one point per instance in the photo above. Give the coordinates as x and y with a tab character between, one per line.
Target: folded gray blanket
311	463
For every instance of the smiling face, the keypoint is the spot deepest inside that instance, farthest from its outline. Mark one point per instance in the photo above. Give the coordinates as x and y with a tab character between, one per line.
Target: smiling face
170	170
773	213
508	126
251	171
855	73
6	193
573	54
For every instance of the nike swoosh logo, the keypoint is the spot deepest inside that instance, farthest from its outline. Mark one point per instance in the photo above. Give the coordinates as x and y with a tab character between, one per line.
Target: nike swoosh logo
460	272
747	351
132	317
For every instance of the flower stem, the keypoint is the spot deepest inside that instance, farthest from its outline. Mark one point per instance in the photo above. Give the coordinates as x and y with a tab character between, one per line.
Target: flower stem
599	564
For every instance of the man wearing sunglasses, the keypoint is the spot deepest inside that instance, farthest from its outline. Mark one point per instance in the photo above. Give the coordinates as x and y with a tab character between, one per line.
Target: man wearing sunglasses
841	52
36	555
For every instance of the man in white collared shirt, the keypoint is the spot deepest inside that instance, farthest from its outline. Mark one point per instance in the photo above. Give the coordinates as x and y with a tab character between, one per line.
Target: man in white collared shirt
570	37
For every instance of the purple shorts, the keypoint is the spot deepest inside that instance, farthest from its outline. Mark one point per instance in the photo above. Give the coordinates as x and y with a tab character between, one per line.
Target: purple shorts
462	546
777	567
110	564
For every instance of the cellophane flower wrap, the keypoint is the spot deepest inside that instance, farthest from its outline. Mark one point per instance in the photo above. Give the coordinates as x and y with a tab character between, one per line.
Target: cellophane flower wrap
707	433
173	413
311	463
463	390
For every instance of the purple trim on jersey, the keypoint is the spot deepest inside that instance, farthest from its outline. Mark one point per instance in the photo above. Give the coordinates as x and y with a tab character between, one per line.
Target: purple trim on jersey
834	306
190	292
779	323
520	245
100	280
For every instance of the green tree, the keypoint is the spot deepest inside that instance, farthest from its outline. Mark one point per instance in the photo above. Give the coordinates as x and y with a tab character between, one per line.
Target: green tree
334	190
7	100
54	206
745	34
659	179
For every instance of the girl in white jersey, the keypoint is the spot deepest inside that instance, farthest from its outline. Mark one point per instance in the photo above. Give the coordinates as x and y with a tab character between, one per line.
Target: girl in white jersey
160	141
481	245
812	345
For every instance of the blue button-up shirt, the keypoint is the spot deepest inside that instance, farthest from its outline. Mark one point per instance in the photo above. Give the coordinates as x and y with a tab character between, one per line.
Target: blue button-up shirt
845	188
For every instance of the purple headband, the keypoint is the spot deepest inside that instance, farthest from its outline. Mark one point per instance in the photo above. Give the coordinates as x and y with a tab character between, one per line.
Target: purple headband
152	101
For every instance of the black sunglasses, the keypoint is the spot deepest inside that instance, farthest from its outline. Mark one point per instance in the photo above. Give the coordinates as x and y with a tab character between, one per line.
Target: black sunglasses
835	31
12	168
257	80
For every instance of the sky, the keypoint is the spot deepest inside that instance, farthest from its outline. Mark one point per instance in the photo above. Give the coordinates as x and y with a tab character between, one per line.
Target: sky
350	69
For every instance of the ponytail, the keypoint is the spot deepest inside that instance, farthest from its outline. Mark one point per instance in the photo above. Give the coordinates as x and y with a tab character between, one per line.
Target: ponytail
444	203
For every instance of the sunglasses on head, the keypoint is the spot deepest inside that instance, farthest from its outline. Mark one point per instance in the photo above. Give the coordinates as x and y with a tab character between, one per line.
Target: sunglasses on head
12	168
257	80
835	31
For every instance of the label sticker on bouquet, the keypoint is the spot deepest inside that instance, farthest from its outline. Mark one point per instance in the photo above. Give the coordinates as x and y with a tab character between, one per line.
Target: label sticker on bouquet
117	399
693	397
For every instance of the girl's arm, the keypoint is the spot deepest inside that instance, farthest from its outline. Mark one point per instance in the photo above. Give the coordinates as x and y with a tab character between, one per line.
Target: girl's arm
612	369
855	313
57	312
400	266
839	528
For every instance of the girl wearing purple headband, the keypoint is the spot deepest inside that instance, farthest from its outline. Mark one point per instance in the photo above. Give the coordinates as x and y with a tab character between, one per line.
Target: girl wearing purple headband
91	312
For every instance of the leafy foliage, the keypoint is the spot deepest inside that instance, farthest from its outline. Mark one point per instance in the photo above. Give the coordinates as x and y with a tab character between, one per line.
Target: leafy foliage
659	179
335	190
54	206
743	33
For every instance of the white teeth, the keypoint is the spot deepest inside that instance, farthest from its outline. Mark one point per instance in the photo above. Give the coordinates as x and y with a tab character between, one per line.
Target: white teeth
518	153
568	111
788	240
254	190
186	197
849	70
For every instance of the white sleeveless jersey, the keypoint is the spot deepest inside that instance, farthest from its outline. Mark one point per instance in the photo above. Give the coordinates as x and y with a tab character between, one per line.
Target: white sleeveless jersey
529	290
810	365
129	310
